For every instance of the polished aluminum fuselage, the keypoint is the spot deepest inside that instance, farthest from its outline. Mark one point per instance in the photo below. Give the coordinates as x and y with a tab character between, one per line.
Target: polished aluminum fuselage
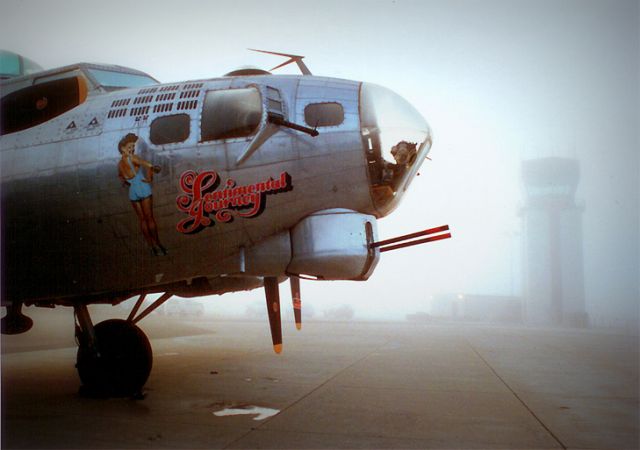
69	229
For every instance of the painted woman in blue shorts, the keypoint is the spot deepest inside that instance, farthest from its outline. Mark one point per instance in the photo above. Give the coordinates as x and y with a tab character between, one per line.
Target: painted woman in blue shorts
138	174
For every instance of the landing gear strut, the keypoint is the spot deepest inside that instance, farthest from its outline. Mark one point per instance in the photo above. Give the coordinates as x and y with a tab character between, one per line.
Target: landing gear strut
115	356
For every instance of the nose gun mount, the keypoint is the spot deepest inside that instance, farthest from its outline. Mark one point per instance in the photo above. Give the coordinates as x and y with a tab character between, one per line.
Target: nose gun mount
409	240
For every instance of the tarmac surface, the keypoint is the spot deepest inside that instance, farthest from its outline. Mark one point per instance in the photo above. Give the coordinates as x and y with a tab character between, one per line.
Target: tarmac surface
336	385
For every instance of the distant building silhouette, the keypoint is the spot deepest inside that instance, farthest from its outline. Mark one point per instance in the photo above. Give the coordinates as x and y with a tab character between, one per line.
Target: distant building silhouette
553	272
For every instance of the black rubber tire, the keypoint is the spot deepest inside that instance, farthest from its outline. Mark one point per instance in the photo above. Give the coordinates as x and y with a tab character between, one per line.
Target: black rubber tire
123	363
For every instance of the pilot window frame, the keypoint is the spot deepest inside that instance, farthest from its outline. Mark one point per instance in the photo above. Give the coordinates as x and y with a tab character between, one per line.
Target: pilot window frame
59	76
105	78
160	121
208	133
317	123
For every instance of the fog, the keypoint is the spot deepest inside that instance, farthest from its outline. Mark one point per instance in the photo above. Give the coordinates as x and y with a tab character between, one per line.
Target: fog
500	82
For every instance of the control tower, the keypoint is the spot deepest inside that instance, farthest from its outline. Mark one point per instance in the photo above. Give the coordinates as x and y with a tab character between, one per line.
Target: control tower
552	229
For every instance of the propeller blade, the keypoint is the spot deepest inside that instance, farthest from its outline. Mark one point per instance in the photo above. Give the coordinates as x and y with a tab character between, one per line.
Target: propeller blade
272	293
297	300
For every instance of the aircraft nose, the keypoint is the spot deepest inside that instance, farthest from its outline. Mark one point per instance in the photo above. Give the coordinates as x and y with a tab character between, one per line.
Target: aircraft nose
396	140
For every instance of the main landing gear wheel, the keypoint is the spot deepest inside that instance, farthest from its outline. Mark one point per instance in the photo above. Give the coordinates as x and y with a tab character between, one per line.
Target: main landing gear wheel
119	362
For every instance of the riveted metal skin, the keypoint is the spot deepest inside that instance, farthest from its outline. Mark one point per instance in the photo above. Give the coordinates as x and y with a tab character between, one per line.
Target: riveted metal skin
69	231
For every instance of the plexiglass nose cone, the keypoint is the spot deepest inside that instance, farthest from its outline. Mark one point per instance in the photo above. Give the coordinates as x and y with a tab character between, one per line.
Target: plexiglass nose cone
396	139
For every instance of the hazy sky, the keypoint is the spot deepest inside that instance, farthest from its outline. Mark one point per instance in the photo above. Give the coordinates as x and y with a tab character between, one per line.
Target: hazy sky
499	82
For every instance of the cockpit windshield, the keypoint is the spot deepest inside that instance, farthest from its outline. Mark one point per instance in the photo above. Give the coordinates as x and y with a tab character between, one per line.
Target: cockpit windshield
120	80
396	139
13	65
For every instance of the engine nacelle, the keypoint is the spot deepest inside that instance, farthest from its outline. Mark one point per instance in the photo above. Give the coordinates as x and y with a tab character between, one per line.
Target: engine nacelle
334	245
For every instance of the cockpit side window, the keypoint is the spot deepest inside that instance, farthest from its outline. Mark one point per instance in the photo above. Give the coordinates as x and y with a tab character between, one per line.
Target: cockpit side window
37	104
324	114
231	113
170	129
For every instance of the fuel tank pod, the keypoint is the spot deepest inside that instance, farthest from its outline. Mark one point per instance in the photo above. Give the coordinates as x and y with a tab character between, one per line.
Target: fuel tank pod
334	244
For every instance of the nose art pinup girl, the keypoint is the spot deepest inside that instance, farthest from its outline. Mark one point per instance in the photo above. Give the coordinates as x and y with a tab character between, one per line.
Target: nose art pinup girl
130	170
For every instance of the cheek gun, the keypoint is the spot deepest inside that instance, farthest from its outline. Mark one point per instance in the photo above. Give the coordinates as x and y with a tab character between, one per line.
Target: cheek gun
409	240
272	292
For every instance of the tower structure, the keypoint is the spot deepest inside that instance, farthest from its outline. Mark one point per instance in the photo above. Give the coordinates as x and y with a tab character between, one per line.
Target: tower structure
553	262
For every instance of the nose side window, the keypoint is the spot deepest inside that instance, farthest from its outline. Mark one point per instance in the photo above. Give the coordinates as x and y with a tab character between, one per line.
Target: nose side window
170	129
231	113
274	101
324	114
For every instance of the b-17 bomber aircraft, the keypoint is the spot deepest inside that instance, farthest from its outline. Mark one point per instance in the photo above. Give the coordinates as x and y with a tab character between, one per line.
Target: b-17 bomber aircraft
117	186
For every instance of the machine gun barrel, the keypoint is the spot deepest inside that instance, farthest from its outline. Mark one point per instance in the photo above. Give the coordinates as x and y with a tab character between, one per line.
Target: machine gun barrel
409	240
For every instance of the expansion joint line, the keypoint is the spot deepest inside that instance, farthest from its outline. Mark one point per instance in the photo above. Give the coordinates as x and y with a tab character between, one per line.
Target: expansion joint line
320	386
564	447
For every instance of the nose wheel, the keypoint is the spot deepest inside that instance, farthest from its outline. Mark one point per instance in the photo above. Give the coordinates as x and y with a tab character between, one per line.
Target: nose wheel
114	358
